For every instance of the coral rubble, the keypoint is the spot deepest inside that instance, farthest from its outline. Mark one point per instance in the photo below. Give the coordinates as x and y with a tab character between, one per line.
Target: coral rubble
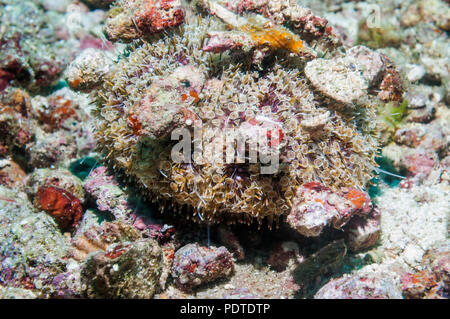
194	265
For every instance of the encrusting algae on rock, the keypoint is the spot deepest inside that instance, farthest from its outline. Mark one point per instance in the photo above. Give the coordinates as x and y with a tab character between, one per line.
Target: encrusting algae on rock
177	81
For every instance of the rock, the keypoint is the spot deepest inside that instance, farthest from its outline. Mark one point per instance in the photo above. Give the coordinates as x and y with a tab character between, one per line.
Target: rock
87	70
99	238
130	20
385	35
107	193
153	228
337	79
59	194
323	263
32	249
283	254
422	115
370	62
360	286
420	285
391	88
124	270
33	54
410	16
436	11
56	5
410	136
431	280
11	174
168	256
194	265
415	163
415	73
416	101
439	260
316	206
101	4
51	149
227	238
419	164
17	293
60	178
15	125
67	285
241	293
363	232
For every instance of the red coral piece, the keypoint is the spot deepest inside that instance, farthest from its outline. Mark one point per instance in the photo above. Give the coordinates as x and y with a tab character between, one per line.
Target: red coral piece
62	205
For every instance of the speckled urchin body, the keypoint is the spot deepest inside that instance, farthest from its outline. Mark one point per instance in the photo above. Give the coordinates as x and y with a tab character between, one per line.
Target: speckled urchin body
171	82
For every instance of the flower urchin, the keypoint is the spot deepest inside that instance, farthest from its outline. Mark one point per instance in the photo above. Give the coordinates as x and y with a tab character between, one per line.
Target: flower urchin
172	83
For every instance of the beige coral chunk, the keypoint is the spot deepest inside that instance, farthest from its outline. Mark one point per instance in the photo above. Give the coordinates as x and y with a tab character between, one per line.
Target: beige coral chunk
370	62
87	70
337	79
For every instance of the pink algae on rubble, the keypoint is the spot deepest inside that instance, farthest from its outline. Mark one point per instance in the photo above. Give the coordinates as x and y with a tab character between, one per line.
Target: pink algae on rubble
317	206
194	265
156	16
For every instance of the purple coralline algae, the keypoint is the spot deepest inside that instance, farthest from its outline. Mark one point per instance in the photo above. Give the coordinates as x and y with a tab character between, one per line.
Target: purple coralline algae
107	194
